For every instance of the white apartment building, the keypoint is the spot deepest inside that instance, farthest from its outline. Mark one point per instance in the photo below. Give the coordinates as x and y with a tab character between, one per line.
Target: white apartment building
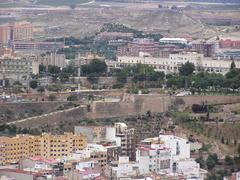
166	155
153	156
181	163
180	147
190	169
122	169
174	62
159	64
162	153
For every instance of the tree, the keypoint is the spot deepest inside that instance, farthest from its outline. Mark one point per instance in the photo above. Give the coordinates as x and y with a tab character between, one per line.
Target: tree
187	69
42	68
175	81
41	89
71	70
52	97
122	77
211	162
72	97
95	66
33	84
222	140
201	161
233	65
229	161
63	77
238	149
215	157
54	69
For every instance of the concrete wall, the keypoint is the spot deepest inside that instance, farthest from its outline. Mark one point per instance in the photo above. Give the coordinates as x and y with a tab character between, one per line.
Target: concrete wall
136	104
130	105
209	99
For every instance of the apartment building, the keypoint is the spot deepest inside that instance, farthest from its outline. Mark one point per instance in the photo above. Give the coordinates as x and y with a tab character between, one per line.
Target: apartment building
42	46
96	134
148	46
113	35
100	157
17	68
54	59
166	156
122	169
127	139
207	48
82	59
118	135
153	156
21	31
18	31
5	34
20	147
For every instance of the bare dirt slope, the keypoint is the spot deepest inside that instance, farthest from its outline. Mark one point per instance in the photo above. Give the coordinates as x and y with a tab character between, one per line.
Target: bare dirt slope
88	20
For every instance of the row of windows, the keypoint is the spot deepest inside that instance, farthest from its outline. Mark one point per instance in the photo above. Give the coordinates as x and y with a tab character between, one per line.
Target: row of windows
58	155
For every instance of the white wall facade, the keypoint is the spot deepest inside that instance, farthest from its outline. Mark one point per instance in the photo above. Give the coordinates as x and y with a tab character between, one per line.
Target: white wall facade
180	148
175	61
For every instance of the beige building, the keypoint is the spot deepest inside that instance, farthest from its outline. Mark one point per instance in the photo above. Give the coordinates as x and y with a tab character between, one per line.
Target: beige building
21	31
54	59
5	34
18	31
86	59
18	67
47	145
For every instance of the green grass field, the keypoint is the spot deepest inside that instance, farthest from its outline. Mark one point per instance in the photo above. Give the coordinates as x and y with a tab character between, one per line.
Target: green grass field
61	2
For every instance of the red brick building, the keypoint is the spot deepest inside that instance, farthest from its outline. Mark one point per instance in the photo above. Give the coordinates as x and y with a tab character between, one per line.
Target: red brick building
228	43
133	48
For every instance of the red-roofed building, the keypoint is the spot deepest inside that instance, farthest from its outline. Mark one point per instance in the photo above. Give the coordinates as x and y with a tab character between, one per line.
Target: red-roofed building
228	43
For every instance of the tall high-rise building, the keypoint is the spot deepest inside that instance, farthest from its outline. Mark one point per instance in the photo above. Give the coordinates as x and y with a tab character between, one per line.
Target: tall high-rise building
205	47
5	34
13	149
18	31
127	138
21	31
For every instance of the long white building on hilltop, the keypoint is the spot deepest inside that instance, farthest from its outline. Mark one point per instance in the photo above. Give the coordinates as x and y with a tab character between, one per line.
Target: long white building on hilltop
173	41
174	62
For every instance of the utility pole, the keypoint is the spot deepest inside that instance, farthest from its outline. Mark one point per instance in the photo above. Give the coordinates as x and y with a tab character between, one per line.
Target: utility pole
4	83
79	75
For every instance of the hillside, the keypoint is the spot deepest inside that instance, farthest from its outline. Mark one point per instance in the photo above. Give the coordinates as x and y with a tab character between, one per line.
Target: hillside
87	21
